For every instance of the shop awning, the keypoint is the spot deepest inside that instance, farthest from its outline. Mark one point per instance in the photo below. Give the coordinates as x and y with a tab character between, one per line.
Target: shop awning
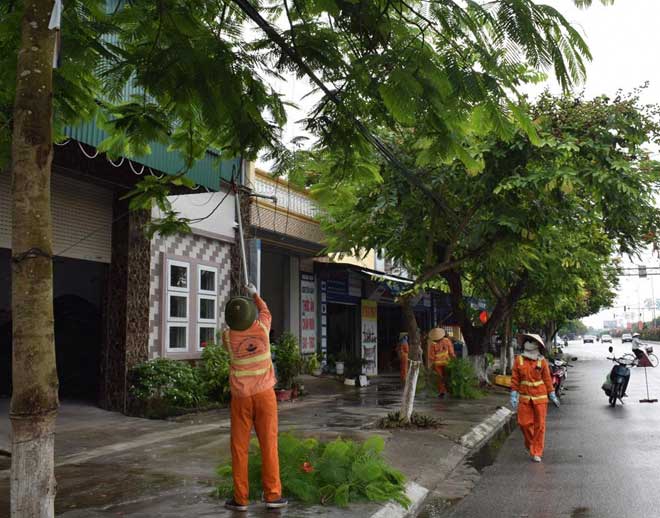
385	277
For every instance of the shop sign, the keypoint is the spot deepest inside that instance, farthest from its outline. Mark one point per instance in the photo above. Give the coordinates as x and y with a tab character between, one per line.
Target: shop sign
354	284
370	336
307	313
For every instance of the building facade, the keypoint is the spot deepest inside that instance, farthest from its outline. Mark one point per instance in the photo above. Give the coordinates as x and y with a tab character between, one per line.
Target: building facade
121	297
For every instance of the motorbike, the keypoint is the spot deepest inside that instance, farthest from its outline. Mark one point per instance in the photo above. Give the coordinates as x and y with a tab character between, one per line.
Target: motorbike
559	373
617	380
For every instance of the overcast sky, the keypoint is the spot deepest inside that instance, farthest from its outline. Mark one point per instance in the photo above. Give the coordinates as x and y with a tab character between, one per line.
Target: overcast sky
624	40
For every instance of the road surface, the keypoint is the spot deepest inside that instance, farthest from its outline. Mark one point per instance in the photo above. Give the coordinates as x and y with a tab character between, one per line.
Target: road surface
599	461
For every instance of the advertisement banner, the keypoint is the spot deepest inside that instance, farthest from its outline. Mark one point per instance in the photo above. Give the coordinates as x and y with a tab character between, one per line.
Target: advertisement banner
307	313
370	336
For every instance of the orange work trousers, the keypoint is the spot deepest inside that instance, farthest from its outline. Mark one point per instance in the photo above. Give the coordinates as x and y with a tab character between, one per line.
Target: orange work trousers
259	411
531	419
440	371
404	367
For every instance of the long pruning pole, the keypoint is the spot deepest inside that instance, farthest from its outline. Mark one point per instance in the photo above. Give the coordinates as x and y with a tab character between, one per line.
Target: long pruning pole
241	236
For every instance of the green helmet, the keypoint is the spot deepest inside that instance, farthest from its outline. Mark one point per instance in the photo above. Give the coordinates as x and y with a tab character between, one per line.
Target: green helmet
240	313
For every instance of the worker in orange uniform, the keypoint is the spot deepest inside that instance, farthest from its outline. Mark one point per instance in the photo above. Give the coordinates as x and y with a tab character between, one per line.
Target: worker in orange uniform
404	350
253	403
531	386
441	350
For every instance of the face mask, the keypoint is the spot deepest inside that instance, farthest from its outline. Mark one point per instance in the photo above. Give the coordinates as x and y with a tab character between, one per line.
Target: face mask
531	346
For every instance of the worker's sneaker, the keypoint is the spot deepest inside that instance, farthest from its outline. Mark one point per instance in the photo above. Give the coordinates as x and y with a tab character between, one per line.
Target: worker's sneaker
277	504
235	506
536	458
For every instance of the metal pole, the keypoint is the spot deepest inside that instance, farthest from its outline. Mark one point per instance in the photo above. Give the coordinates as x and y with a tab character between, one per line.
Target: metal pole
241	237
653	300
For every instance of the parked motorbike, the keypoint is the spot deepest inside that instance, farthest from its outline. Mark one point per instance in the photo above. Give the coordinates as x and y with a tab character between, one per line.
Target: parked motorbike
617	380
559	373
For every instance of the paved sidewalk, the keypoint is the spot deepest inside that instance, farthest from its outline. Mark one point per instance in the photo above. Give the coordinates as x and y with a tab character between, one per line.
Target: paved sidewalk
112	465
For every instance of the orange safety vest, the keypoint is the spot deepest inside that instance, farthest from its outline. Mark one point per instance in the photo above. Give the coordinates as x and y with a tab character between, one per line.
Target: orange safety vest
442	351
251	366
531	379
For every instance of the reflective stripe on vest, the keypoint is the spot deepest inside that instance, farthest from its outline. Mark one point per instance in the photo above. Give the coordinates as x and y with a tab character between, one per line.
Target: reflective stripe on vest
250	361
532	398
257	372
532	383
254	359
441	357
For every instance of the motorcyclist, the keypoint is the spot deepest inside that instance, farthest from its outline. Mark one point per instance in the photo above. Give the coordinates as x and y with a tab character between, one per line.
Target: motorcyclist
636	342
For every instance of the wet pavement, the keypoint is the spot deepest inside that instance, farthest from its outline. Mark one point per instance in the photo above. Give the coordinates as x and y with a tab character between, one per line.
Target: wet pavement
600	462
112	465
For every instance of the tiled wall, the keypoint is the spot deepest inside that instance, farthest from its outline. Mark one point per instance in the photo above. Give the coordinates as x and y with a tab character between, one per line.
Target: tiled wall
193	248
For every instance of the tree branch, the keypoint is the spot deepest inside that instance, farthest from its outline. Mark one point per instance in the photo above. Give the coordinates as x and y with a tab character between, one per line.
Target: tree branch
381	147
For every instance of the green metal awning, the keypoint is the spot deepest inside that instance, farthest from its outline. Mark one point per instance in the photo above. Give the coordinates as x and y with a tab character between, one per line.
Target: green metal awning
206	172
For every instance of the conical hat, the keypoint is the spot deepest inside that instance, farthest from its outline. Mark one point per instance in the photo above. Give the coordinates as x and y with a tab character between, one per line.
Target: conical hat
536	338
437	333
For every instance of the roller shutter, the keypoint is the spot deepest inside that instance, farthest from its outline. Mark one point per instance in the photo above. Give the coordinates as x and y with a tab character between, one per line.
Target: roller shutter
82	218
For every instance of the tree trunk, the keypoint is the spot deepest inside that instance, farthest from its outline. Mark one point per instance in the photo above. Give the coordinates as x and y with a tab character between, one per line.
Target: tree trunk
480	367
504	351
508	334
408	401
34	400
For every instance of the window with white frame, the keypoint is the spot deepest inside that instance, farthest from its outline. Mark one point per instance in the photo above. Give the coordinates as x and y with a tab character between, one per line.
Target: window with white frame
190	305
207	305
178	304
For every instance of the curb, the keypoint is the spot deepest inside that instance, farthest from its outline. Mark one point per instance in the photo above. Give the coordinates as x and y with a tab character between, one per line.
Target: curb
485	430
467	444
417	495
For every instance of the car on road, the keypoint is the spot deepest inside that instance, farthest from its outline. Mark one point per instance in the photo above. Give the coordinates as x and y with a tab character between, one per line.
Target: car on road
626	337
606	339
588	339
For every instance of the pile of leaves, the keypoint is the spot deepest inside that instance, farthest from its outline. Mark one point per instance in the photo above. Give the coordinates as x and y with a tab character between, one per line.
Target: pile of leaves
417	420
328	473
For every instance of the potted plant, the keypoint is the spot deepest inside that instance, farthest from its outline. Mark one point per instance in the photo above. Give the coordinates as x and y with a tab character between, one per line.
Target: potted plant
354	369
288	364
340	361
314	365
330	364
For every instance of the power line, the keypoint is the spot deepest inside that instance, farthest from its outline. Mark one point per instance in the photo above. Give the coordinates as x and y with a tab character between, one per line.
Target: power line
380	146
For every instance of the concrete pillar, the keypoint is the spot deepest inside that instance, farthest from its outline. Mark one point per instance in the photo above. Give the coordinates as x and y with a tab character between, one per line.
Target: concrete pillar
127	308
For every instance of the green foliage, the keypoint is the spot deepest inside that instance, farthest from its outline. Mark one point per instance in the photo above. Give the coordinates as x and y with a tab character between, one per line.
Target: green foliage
328	473
162	383
651	333
288	361
186	73
214	373
573	327
534	230
164	387
462	381
312	363
417	420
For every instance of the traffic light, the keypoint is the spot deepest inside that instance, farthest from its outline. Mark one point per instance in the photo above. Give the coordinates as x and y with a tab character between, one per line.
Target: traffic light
624	309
